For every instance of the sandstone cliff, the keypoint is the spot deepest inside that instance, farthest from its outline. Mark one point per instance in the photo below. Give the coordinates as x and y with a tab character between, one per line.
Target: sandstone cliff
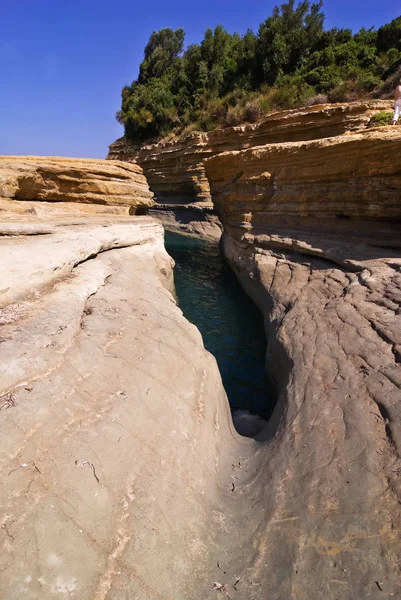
118	454
122	474
116	436
312	230
68	180
356	176
175	169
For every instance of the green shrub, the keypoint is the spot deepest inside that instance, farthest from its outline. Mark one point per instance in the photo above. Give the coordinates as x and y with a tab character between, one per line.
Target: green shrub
324	79
292	91
367	81
380	119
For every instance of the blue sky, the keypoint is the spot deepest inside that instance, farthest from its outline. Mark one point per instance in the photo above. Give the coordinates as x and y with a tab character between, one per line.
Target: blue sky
63	62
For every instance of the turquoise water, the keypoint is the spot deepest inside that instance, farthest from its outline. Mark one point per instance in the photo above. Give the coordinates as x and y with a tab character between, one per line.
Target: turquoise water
231	326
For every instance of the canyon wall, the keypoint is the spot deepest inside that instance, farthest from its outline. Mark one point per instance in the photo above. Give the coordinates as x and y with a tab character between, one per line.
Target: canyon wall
117	441
175	168
122	473
313	231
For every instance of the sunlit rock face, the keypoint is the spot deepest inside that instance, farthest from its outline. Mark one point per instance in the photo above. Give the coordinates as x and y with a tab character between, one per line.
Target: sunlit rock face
66	182
117	440
123	476
175	168
312	230
116	431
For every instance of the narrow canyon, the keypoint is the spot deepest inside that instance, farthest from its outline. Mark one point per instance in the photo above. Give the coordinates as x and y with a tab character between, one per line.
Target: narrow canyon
122	473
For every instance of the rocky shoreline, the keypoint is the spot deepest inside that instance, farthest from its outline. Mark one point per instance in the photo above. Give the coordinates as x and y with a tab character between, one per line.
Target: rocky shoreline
122	473
312	231
113	416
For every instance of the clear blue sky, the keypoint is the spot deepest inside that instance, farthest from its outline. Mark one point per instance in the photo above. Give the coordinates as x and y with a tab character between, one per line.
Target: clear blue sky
63	62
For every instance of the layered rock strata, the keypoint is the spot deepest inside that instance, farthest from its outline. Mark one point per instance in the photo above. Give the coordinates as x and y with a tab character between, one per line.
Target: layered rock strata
118	458
122	475
70	181
312	231
175	169
197	219
117	441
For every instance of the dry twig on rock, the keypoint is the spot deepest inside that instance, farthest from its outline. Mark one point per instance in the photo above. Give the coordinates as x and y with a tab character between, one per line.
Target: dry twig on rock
91	465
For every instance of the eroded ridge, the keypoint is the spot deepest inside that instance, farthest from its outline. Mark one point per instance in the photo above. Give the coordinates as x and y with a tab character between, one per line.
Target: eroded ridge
113	419
175	168
330	290
113	416
49	186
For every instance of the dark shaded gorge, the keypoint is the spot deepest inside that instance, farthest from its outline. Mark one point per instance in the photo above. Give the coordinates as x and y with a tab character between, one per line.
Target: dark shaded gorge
211	297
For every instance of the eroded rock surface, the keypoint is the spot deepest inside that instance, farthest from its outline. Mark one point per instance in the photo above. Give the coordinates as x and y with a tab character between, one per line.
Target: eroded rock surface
345	177
175	169
197	219
117	442
67	181
117	448
312	230
122	476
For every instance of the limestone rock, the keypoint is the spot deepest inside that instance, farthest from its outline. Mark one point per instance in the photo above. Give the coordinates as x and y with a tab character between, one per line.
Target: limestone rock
197	219
312	230
70	180
175	169
113	419
345	177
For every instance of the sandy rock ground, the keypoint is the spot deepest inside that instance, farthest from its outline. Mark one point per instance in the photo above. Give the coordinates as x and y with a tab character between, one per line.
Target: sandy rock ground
121	474
117	442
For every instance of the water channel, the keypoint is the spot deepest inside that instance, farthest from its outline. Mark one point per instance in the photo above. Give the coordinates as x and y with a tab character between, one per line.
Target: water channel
231	326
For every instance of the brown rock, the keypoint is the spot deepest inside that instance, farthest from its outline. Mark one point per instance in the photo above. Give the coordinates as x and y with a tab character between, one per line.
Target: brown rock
312	230
111	418
70	180
346	177
175	169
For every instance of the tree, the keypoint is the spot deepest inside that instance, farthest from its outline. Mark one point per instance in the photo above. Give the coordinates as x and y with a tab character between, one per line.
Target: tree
161	51
389	36
288	37
147	110
228	78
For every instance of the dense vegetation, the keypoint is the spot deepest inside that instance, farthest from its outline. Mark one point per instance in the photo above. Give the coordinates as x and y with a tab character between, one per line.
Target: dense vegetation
228	79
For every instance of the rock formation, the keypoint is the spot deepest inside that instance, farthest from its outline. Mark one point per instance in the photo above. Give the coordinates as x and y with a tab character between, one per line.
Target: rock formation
117	441
64	181
113	420
312	230
175	170
122	475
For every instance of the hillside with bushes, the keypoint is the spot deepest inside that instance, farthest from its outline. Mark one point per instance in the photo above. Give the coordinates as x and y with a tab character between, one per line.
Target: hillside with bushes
230	79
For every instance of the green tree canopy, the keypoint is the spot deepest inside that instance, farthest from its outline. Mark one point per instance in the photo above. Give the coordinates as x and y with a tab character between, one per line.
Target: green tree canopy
229	78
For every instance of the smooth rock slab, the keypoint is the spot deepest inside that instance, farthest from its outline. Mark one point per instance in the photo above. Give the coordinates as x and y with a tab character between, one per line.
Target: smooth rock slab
117	442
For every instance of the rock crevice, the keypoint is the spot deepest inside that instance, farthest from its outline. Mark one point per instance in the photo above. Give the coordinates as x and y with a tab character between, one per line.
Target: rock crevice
329	289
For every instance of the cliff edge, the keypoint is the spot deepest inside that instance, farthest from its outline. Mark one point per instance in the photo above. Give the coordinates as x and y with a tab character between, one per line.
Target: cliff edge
312	230
117	441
